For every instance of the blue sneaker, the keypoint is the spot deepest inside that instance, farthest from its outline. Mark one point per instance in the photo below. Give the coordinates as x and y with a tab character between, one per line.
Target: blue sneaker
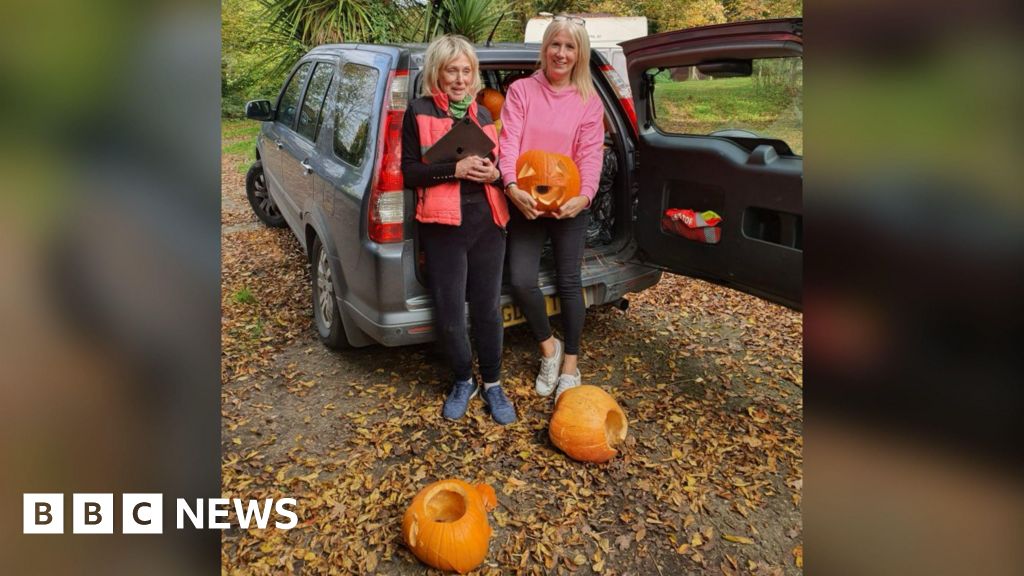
501	408
457	402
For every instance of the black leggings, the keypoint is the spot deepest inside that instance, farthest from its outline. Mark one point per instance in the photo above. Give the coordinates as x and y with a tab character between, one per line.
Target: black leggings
525	242
469	258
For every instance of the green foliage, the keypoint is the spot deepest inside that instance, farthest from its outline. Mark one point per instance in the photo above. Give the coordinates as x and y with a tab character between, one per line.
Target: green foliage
664	15
256	328
769	102
299	25
262	39
315	22
526	9
246	72
473	19
779	76
236	130
240	147
739	10
244	296
238	143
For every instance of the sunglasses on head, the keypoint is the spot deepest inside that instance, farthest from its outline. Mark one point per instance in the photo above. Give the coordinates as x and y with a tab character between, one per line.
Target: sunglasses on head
567	18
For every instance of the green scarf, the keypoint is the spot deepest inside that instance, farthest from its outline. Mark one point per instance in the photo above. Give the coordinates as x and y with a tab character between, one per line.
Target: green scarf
458	109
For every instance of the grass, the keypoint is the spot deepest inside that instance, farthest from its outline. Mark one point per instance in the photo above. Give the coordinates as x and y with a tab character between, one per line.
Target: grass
240	147
702	107
244	296
256	329
238	141
232	129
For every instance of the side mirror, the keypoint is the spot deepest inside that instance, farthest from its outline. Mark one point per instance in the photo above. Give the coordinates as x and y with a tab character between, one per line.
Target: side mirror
726	68
259	110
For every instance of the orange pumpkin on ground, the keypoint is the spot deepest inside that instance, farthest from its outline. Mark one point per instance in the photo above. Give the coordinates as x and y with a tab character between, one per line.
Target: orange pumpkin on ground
446	524
587	424
493	100
552	179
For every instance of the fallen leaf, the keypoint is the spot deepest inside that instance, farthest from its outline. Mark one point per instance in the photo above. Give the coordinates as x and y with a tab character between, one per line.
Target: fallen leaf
371	561
737	539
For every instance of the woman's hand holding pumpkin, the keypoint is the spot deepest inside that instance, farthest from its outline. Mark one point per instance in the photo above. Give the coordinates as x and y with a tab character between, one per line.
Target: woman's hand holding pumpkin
524	201
572	207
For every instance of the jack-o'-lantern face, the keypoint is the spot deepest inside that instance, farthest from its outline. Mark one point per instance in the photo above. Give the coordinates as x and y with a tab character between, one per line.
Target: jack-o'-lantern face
552	179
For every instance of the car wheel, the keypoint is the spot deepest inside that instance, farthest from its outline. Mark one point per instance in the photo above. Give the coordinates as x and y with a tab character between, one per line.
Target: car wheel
259	197
326	315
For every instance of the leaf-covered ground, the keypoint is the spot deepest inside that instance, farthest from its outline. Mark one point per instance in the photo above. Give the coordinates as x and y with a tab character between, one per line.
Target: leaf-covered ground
710	479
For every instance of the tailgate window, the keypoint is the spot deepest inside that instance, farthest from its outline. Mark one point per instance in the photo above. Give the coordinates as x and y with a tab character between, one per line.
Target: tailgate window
750	106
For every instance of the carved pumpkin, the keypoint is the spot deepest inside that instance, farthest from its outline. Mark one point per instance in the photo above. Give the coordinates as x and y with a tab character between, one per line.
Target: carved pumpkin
552	179
446	524
587	424
492	100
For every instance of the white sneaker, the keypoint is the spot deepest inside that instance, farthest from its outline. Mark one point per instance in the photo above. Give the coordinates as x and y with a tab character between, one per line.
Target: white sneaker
547	377
567	381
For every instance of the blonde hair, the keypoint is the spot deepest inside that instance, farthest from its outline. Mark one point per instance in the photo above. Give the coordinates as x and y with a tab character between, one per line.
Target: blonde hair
580	77
440	52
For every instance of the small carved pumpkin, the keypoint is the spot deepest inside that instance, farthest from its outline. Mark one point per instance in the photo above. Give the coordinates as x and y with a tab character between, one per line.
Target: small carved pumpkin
446	524
587	424
552	179
492	100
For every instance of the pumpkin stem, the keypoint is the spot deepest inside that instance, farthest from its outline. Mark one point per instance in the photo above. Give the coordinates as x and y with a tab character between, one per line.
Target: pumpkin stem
488	496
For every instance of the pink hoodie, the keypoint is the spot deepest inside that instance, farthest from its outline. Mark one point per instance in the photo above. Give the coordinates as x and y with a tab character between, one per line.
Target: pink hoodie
537	117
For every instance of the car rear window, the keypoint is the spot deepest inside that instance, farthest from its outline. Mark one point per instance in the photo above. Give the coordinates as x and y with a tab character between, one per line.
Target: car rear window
312	104
289	105
354	109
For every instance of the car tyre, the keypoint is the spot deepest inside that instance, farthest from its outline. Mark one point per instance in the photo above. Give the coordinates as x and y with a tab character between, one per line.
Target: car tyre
259	197
326	315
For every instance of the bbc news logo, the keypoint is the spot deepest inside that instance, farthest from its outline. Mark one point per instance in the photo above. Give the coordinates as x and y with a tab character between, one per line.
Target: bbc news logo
143	513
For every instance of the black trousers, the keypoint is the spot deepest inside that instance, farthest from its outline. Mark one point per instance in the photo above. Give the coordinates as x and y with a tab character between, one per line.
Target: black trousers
525	242
466	260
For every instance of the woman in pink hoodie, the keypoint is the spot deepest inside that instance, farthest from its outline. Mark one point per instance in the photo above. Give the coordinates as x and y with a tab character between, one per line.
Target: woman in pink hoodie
555	110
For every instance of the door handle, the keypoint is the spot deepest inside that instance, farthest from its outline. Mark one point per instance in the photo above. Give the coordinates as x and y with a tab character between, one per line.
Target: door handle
306	168
279	144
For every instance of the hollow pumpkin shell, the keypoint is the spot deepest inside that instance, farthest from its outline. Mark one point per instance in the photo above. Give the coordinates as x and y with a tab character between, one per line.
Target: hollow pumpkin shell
552	179
446	525
587	424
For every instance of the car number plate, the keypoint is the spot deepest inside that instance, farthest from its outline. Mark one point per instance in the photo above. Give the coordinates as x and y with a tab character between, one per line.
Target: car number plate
512	314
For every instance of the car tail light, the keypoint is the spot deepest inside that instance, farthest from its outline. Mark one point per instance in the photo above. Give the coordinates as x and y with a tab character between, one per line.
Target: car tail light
387	195
623	92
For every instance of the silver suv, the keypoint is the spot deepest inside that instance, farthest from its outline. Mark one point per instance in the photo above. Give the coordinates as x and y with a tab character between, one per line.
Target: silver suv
328	166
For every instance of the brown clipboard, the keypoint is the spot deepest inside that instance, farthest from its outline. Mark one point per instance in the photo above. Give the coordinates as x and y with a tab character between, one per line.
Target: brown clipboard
464	139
